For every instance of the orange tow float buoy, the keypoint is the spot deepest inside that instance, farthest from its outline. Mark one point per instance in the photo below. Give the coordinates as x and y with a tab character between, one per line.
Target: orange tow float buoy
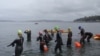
97	37
45	48
77	44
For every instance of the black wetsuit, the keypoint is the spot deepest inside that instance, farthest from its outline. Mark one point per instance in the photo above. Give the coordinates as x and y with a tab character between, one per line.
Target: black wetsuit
59	42
28	35
40	38
52	33
47	38
19	46
82	40
88	35
69	39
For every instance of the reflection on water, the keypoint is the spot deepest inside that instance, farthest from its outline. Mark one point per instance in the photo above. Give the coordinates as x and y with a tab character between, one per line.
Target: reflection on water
58	54
81	51
67	51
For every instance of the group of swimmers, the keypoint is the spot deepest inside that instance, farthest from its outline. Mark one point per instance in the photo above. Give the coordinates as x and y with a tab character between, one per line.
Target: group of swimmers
46	38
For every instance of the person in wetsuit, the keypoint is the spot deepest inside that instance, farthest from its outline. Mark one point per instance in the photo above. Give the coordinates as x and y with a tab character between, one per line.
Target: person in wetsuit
69	39
82	33
40	38
58	41
52	33
28	32
18	43
47	37
88	35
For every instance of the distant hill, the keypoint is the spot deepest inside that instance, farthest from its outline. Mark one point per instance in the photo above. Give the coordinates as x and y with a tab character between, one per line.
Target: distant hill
88	19
45	21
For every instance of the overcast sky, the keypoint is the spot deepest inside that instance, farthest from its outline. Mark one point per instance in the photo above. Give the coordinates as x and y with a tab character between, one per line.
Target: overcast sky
48	9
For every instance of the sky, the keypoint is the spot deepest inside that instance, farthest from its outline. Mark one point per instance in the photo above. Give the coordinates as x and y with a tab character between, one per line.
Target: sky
67	10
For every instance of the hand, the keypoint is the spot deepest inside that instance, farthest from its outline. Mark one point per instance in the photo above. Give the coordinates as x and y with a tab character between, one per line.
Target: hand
8	45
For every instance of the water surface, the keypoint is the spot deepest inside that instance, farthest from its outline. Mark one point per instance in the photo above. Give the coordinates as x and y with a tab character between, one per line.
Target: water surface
8	32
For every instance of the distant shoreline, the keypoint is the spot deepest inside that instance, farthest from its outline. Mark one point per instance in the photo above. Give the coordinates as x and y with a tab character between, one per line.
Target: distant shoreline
45	22
60	21
88	19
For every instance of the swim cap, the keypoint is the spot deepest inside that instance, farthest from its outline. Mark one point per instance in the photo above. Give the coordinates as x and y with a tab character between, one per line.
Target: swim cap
45	30
19	31
79	27
56	27
40	33
28	30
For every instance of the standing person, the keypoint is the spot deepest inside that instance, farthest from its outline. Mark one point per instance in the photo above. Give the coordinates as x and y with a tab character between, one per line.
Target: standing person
69	39
88	35
59	41
28	32
82	33
40	38
52	33
19	44
47	37
58	45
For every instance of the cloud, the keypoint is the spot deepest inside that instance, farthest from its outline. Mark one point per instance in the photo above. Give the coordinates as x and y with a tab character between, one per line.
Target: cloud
48	9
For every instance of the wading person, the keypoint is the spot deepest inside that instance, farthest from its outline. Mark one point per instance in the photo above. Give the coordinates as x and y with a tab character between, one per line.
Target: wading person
40	38
58	41
82	33
47	37
28	32
18	43
52	33
88	36
69	39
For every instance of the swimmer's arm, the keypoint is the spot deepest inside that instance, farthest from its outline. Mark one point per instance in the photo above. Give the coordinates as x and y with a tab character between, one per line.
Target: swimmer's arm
12	44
